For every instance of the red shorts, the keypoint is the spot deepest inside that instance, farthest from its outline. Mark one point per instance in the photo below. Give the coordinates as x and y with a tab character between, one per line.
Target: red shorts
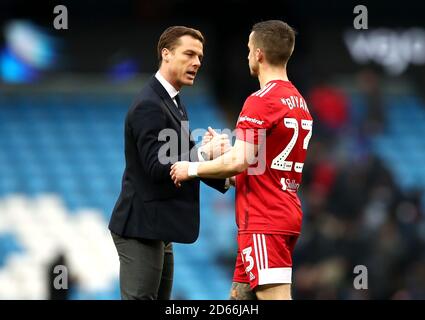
264	259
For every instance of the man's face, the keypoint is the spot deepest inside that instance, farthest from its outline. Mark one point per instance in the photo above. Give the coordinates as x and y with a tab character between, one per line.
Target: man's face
184	61
252	60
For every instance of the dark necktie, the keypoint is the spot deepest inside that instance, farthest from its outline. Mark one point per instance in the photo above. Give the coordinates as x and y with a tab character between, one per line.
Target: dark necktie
179	106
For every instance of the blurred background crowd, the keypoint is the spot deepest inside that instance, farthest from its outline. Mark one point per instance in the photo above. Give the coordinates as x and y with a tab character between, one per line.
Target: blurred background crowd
64	95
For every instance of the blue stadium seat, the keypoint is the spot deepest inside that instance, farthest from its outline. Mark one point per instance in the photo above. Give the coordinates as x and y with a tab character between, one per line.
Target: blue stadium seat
73	146
402	147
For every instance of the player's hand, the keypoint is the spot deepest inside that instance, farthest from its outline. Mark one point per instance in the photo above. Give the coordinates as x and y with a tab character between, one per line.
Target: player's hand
207	137
214	144
178	172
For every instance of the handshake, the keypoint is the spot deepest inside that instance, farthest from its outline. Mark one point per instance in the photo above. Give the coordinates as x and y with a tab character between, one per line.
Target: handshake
213	145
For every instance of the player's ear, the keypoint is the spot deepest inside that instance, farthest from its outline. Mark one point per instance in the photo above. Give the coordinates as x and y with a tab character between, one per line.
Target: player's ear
259	54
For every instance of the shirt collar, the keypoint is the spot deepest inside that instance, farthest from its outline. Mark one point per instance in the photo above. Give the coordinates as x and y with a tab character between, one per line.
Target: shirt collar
167	86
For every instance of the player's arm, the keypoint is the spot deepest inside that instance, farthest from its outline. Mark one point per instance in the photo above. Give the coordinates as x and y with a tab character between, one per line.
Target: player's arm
237	160
233	162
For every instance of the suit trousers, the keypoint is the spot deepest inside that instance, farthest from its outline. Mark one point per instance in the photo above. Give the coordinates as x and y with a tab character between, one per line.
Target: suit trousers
146	268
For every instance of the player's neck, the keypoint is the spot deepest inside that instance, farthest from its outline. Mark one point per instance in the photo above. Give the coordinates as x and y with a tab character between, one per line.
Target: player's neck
269	74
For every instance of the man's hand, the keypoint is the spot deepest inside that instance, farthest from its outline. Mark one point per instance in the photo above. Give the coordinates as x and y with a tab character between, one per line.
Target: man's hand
207	137
179	172
214	144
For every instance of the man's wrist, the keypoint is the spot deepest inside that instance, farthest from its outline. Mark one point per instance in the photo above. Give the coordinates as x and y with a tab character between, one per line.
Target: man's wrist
192	170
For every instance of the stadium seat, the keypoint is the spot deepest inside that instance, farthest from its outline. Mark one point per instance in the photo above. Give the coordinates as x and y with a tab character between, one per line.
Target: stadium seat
61	164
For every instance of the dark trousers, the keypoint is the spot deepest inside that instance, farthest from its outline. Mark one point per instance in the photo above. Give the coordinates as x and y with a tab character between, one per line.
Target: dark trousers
146	268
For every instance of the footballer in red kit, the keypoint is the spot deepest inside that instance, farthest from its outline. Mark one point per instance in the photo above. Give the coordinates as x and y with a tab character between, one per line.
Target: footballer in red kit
272	137
270	198
268	210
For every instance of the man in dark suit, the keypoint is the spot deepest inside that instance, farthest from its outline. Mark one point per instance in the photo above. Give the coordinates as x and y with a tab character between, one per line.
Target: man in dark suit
151	212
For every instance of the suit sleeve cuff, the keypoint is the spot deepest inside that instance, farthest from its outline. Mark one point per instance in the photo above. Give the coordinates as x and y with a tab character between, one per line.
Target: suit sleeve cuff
201	155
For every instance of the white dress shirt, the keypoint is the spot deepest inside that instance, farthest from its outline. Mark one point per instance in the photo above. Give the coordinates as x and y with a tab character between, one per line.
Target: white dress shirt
172	92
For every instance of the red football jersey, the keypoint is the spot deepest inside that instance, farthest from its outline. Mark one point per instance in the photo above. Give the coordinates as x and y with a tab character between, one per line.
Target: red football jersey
278	120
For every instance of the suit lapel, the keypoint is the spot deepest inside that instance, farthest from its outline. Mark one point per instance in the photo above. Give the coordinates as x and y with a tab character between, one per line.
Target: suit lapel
169	103
160	90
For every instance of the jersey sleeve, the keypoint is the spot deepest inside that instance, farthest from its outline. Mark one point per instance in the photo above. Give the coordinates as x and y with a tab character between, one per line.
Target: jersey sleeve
258	115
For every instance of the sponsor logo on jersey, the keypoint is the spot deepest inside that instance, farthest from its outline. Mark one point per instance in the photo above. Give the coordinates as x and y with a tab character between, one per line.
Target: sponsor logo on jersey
289	185
245	118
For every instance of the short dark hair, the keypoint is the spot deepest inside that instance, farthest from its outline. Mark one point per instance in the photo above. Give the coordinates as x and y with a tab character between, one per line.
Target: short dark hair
276	38
170	38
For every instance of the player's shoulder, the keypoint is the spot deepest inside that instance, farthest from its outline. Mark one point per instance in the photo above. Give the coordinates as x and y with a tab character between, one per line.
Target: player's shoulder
273	90
265	92
261	97
269	97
